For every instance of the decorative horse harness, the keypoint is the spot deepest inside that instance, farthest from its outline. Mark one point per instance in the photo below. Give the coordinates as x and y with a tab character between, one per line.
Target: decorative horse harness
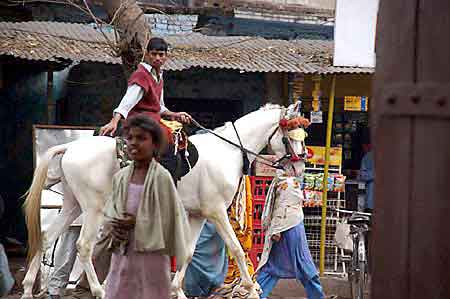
292	129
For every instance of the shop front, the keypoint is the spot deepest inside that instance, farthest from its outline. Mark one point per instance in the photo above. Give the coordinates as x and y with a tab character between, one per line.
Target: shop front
347	129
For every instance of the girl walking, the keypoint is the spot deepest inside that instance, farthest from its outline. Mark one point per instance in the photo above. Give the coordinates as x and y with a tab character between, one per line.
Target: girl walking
146	221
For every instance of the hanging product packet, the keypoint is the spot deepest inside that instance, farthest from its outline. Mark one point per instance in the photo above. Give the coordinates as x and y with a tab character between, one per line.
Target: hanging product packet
318	198
318	184
309	181
339	183
309	198
330	183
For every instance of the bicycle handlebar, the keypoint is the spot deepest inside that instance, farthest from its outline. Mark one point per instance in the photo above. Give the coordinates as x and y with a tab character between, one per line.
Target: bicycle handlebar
350	212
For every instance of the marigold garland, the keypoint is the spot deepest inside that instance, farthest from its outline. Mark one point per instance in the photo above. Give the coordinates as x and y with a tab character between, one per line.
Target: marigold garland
294	123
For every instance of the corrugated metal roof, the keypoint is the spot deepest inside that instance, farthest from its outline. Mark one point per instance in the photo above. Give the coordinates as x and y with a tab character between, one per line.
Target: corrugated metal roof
253	54
51	41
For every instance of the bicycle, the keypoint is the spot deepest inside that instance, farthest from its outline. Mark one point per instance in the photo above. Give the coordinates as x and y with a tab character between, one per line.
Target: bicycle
357	273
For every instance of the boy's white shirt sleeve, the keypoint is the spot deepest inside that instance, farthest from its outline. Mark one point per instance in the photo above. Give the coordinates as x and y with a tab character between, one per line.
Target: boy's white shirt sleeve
133	95
161	102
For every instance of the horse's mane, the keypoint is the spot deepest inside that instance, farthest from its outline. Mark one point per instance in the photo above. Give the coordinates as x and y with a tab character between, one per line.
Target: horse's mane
266	107
222	128
270	106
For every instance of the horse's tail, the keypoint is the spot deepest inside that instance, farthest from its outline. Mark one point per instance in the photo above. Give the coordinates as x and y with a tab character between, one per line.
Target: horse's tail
32	203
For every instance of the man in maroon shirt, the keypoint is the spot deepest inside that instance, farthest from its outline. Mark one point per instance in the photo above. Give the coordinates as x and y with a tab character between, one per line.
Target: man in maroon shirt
145	95
145	90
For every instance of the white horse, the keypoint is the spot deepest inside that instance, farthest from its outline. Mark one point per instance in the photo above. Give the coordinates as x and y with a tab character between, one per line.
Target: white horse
86	171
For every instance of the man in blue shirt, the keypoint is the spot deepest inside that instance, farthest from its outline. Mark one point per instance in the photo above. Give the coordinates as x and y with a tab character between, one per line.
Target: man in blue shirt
6	278
366	173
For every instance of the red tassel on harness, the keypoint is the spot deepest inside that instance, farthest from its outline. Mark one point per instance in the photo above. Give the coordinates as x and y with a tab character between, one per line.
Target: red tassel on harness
283	123
295	158
173	264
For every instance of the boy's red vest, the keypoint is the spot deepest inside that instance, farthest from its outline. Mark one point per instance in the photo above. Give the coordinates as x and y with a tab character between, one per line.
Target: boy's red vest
150	103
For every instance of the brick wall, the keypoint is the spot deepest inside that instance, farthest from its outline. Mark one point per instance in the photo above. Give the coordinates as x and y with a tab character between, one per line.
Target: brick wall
171	24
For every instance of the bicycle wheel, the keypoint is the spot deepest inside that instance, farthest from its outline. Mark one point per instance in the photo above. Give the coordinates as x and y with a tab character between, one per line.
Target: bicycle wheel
354	284
357	280
353	275
361	279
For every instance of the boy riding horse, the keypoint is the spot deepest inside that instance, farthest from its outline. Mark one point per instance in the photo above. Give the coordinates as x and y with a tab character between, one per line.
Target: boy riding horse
145	95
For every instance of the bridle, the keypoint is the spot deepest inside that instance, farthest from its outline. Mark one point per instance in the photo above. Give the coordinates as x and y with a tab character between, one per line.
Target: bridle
290	155
267	162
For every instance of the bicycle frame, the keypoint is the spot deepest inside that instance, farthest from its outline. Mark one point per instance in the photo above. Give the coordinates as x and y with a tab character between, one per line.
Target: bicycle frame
358	266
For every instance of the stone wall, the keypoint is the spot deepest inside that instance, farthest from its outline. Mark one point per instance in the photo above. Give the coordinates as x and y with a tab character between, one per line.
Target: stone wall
219	25
215	96
93	91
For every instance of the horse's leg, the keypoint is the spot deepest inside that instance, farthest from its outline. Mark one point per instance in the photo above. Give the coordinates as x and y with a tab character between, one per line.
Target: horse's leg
30	277
225	230
196	224
69	212
88	236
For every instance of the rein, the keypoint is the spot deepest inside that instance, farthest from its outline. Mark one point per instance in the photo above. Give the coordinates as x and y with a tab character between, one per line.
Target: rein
275	164
245	159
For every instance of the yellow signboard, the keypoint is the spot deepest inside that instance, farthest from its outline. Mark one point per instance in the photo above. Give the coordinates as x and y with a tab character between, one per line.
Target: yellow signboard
316	155
356	103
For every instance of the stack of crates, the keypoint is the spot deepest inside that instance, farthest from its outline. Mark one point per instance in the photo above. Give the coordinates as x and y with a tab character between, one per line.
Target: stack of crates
260	186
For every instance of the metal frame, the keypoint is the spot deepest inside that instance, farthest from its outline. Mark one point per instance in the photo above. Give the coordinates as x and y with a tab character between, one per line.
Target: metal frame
330	223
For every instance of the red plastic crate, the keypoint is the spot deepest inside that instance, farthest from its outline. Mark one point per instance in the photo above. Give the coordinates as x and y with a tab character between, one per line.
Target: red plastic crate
258	208
255	257
260	186
258	238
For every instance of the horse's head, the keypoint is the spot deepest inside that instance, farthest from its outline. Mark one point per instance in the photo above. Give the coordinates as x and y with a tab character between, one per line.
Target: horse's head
288	140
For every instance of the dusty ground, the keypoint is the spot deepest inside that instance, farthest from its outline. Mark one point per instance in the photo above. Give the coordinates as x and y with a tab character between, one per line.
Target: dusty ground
286	289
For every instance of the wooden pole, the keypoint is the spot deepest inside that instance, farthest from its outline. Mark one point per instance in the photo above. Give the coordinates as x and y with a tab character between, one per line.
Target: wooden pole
411	142
323	228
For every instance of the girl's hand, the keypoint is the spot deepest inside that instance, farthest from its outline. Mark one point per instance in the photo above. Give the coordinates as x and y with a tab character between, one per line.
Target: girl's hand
120	235
121	227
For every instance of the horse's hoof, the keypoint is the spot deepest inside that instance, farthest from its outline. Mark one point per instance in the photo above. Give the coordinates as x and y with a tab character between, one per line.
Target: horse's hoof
179	295
98	293
254	292
253	295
